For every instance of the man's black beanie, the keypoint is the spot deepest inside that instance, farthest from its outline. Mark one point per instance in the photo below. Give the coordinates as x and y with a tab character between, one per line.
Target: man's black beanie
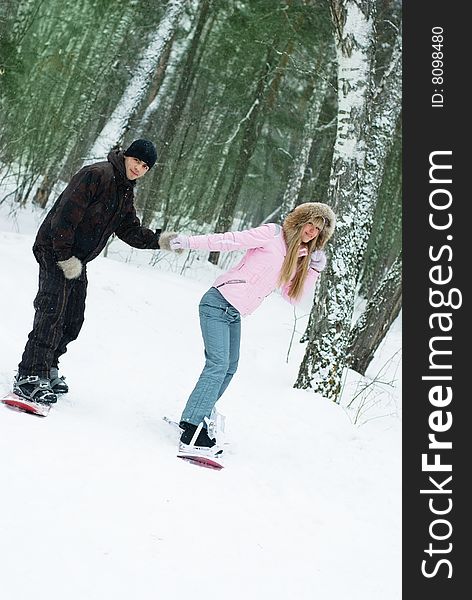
144	150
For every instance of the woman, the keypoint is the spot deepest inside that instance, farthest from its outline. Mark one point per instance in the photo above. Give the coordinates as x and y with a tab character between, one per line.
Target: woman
290	257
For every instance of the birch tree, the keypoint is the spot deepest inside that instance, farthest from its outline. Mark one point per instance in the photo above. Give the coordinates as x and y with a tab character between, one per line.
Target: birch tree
175	113
65	65
357	170
323	362
116	125
66	110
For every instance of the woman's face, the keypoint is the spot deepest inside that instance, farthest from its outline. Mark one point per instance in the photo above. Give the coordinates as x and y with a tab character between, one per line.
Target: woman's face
309	232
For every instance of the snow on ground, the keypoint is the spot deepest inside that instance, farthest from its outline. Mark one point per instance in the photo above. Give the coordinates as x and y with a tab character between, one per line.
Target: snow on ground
94	503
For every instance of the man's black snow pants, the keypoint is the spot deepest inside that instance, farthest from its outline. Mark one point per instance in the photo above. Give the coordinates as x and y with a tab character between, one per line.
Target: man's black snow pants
59	315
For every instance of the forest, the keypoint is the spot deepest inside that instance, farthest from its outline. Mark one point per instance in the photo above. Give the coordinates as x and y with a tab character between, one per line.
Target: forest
255	106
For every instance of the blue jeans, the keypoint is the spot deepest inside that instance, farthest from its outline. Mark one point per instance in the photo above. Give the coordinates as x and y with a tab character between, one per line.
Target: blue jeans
220	323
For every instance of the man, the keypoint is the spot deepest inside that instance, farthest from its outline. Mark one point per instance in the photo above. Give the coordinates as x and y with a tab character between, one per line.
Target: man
98	202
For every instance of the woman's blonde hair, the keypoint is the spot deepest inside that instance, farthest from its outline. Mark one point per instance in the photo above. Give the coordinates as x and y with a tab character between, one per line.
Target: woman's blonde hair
295	267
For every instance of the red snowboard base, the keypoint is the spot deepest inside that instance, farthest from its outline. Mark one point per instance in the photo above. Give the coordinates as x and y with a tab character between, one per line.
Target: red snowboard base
202	461
14	402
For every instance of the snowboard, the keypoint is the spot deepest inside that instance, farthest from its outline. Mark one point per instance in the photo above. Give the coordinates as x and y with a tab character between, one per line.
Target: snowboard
15	402
202	461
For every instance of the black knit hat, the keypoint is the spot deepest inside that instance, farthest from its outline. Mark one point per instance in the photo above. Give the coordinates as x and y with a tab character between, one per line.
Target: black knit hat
144	150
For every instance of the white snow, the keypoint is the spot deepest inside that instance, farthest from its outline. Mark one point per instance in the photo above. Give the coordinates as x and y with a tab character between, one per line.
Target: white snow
94	503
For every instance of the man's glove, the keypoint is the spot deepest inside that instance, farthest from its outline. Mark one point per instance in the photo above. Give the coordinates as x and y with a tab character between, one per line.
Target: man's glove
72	267
318	260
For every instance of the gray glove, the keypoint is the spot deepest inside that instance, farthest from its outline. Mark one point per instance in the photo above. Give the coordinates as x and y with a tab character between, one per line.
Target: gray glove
170	240
180	242
72	267
318	260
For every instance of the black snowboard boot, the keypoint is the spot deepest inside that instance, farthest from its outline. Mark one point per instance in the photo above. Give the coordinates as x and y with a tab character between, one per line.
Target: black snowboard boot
34	388
203	440
58	384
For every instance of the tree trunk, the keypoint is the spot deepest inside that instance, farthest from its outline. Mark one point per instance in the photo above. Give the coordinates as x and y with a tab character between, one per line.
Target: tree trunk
358	164
137	87
325	355
385	239
250	136
175	113
300	162
374	323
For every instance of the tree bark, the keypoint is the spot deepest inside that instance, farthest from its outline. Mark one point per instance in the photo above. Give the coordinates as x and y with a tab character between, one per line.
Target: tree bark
300	162
323	363
372	326
252	127
358	164
137	87
175	113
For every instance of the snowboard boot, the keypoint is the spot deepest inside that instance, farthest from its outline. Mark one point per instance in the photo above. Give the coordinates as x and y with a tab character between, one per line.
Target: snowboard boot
34	388
196	440
58	384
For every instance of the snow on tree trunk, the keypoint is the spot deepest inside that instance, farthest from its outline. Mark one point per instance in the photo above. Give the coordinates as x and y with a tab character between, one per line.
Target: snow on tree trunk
175	112
386	106
324	358
384	116
116	125
169	65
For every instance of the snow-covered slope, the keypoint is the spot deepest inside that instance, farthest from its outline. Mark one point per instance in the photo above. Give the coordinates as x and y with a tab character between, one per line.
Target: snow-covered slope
96	506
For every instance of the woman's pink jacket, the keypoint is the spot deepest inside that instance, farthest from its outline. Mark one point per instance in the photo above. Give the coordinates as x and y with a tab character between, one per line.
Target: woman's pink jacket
247	284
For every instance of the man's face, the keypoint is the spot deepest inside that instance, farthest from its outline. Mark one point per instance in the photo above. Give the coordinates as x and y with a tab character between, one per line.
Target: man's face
135	168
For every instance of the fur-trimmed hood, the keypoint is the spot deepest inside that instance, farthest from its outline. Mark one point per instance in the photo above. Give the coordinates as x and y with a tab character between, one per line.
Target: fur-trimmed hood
305	213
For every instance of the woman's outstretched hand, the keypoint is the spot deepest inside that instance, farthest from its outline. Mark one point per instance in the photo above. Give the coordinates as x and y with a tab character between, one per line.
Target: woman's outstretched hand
318	260
169	240
180	242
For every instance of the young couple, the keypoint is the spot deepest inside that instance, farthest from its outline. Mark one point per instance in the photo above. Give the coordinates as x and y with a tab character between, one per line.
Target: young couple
98	202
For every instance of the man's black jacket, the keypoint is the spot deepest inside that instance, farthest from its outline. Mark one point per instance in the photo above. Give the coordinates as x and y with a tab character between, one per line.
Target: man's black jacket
98	202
